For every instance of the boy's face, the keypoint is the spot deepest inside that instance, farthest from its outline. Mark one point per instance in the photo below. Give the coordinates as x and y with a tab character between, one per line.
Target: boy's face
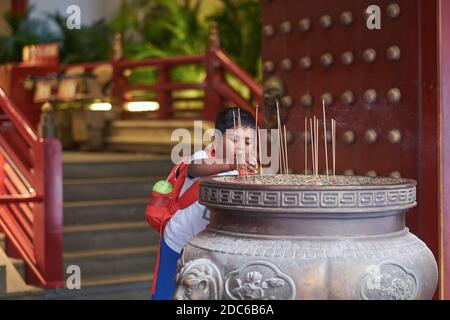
239	144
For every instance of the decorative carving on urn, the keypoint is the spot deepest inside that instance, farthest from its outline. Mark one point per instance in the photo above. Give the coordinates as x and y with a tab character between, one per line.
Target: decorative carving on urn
389	281
259	280
199	279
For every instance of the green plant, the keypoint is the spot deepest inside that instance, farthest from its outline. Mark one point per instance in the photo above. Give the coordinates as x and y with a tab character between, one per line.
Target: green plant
23	31
239	23
156	28
161	28
90	43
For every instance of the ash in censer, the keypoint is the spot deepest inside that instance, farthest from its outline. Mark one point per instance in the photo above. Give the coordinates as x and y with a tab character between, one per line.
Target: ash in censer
307	180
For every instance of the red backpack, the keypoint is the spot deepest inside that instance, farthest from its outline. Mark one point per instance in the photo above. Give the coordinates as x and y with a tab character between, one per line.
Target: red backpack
161	207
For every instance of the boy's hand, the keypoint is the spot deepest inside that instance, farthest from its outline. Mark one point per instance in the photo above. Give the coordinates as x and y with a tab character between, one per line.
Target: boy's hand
247	168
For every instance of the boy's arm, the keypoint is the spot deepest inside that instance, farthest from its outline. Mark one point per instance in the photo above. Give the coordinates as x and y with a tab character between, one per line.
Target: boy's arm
205	169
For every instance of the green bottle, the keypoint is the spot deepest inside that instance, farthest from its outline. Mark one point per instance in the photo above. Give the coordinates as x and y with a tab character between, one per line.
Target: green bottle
162	187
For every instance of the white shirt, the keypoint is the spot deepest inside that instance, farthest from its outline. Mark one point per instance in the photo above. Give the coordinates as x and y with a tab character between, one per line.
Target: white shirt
186	223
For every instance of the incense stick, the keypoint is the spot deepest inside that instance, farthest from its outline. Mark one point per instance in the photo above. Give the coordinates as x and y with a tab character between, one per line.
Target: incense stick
325	136
286	151
242	143
312	147
316	156
333	139
280	139
260	157
234	141
306	146
256	138
317	147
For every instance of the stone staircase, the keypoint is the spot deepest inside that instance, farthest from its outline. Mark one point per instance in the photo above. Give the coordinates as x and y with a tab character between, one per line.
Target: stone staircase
105	232
152	136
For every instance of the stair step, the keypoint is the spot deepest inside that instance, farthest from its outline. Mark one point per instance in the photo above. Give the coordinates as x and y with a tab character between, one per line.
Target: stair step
104	211
109	236
152	136
97	264
118	280
108	188
20	267
136	287
18	264
11	282
79	165
2	241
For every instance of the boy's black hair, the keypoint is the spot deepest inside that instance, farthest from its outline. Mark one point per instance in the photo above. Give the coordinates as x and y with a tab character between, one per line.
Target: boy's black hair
225	119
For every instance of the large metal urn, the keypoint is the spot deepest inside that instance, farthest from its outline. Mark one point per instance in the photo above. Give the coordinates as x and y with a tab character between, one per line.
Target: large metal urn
296	237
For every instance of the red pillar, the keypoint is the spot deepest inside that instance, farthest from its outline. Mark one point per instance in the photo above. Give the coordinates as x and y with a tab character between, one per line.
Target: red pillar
19	6
444	152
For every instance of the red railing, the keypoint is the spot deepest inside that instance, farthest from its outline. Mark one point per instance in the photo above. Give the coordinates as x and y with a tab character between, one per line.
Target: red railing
31	199
213	92
216	88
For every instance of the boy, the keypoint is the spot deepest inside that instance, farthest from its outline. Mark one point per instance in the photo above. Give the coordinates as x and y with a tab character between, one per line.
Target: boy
186	223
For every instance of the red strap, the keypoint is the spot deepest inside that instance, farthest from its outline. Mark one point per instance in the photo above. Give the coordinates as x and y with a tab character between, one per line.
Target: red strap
155	272
189	196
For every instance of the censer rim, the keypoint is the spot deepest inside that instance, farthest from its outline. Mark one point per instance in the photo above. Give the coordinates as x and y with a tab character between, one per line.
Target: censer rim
244	182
